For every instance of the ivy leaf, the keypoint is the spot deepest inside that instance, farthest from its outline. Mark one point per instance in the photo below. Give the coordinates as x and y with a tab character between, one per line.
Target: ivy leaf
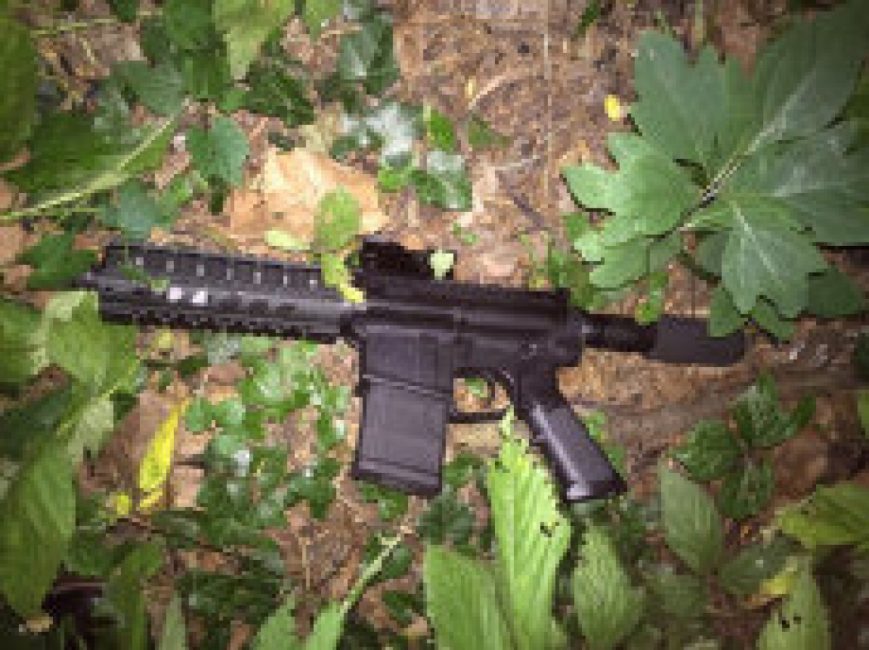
159	88
22	343
367	55
55	262
742	575
532	538
219	152
692	525
38	514
747	490
273	91
318	12
760	419
833	294
680	109
245	25
135	212
608	607
461	602
801	623
709	452
444	183
446	519
832	516
17	85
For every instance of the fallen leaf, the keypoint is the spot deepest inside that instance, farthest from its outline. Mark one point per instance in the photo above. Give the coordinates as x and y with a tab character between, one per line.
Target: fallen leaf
11	241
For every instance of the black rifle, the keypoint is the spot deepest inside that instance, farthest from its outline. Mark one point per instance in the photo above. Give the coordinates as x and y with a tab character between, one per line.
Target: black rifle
415	335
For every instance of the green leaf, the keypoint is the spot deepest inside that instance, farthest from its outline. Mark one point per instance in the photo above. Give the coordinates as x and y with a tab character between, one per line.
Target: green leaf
441	262
692	525
532	538
126	594
461	469
135	212
724	317
681	106
391	504
760	419
768	318
32	423
764	258
440	130
742	575
94	421
278	632
318	12
245	25
126	10
393	179
608	607
833	294
22	343
219	152
747	490
462	603
801	623
17	86
391	127
273	91
367	55
174	635
863	410
189	24
481	135
159	88
676	594
709	452
446	519
338	221
444	183
805	77
38	514
832	516
55	262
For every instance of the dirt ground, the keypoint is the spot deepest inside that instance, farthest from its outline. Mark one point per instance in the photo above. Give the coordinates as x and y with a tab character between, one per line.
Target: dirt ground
519	65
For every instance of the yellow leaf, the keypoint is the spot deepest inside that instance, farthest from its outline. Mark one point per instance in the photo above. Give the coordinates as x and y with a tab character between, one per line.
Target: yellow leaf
613	107
351	293
781	584
154	469
121	503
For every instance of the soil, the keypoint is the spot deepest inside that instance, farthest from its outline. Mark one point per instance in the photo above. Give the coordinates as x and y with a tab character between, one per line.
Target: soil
521	67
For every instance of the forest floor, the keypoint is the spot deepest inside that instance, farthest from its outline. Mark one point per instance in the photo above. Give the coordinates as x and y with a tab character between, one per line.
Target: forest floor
522	67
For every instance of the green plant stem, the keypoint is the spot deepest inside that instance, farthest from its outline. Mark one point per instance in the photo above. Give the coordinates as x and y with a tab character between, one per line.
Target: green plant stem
370	571
81	25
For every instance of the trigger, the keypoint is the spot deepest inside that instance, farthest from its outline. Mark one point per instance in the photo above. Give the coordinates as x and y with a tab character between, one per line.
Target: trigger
458	416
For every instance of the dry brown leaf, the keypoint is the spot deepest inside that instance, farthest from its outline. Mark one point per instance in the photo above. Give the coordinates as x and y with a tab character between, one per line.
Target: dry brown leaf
286	194
11	242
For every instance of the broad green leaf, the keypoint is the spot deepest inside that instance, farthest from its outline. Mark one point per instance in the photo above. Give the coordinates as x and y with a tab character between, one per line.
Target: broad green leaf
38	515
692	525
31	423
327	630
155	465
125	592
832	516
273	91
17	86
22	343
462	603
532	537
760	420
219	152
623	263
747	489
245	25
174	635
278	632
338	221
608	607
677	594
833	294
135	212
189	24
763	258
742	575
681	105
93	422
801	623
391	504
318	12
724	318
709	452
769	319
55	262
393	179
446	519
159	88
805	77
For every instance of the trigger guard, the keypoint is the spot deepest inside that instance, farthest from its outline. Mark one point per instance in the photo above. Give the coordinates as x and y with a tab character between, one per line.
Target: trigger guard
457	416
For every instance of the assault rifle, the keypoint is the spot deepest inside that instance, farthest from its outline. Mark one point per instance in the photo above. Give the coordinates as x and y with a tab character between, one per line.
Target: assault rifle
415	335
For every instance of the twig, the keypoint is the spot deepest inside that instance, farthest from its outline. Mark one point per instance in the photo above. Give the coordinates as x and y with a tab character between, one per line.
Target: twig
63	28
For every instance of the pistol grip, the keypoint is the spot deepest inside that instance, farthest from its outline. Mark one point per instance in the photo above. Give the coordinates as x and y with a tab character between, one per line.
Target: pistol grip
582	469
